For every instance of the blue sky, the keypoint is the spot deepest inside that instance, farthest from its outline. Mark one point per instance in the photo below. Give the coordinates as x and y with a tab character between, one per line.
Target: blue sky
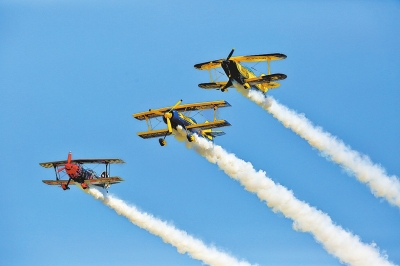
73	72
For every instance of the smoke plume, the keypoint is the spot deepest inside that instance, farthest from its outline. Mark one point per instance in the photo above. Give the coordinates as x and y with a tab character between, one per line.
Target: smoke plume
347	247
360	165
168	233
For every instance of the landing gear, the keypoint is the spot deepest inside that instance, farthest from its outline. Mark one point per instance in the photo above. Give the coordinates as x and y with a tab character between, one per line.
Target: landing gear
190	137
84	185
162	141
64	186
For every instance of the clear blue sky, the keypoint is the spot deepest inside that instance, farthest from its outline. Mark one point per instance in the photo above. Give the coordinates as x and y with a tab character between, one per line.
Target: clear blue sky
73	72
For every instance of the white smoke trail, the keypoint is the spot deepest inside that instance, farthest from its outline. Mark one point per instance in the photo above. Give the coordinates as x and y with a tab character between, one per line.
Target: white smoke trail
337	241
169	234
363	168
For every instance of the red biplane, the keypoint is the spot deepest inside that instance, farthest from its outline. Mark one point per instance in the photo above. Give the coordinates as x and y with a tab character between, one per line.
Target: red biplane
80	176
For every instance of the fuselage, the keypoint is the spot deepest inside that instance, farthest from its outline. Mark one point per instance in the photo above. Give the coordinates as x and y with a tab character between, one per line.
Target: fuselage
238	74
78	173
178	119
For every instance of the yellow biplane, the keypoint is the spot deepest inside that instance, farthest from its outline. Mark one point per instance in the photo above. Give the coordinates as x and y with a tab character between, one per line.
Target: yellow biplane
174	117
241	76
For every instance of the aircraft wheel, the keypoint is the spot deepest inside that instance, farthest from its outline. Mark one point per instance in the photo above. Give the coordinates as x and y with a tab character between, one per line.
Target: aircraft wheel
162	141
190	137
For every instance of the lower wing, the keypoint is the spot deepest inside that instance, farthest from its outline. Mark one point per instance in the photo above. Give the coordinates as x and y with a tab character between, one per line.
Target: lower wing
154	133
215	85
265	79
58	182
108	180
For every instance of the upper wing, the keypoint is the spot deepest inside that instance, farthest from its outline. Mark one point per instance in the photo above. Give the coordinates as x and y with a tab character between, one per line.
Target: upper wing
265	79
208	125
154	133
182	108
110	180
258	58
209	65
246	58
82	161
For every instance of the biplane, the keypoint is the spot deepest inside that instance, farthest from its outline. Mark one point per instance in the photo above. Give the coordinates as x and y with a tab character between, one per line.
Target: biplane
81	176
174	117
241	76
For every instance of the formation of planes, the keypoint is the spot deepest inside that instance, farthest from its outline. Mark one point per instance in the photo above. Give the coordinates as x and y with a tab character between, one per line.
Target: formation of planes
239	76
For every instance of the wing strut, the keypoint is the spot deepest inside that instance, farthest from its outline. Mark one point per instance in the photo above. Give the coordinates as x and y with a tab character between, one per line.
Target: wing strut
211	77
57	174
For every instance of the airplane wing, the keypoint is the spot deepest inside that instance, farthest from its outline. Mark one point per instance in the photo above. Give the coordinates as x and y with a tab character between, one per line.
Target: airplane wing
246	58
258	58
214	85
58	182
82	161
265	79
209	65
209	125
182	108
110	180
154	133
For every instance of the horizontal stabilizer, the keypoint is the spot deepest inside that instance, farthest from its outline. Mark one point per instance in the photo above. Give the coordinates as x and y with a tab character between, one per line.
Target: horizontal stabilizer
215	133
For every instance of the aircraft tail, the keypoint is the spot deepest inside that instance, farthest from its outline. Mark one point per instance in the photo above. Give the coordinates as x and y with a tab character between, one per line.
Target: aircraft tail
211	134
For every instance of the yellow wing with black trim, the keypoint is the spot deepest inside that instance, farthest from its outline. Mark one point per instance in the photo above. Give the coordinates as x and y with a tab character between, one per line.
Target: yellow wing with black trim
182	108
209	125
258	58
154	133
214	85
164	132
265	79
246	58
209	65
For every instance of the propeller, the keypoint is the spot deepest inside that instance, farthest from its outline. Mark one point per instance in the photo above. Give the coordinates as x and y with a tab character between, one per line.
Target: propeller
63	168
68	162
168	115
229	83
230	54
